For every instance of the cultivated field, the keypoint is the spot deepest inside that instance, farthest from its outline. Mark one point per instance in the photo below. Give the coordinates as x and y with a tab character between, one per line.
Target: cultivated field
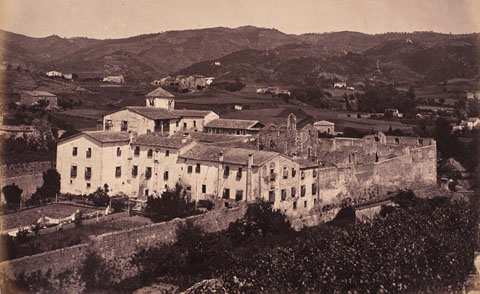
28	216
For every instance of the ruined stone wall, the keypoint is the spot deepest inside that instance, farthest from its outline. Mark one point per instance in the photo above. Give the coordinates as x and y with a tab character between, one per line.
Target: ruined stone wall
353	184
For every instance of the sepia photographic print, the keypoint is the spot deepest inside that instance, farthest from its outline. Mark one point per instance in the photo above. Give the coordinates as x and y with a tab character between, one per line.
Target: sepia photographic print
231	147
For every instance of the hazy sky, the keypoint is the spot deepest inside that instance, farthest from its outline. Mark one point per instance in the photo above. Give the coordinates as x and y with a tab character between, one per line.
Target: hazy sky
123	18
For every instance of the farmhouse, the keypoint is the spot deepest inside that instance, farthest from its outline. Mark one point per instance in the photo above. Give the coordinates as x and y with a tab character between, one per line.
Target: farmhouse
392	112
53	74
473	95
29	98
114	79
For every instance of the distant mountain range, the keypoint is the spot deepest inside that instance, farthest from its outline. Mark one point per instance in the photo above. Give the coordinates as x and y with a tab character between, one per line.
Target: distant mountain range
255	53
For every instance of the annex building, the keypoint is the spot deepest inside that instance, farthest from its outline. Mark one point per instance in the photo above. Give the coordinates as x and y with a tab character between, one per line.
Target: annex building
144	151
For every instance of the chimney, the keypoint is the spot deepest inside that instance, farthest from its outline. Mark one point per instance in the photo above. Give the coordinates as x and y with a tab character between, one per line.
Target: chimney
250	160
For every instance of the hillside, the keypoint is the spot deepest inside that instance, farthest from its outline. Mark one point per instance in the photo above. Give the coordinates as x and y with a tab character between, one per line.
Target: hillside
257	53
435	59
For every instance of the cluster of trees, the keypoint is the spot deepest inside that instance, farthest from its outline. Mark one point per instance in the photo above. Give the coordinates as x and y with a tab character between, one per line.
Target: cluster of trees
172	204
422	245
312	95
379	97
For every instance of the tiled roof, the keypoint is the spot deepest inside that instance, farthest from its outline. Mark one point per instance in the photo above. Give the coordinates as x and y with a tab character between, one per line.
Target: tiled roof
153	112
207	137
191	113
160	141
108	136
204	152
323	123
159	92
233	124
304	163
39	93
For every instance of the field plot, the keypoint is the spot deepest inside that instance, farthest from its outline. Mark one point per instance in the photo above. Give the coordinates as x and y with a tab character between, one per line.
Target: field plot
87	113
28	216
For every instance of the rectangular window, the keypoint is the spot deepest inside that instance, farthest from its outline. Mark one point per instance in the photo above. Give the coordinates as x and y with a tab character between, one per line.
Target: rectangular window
305	203
226	193
165	175
89	152
119	152
167	153
239	173
239	195
88	185
134	170
197	168
294	172
118	171
88	173
226	171
294	205
285	172
314	173
302	190
124	126
148	172
137	151
303	175
314	189
74	151
150	153
73	171
204	188
189	169
271	196
108	124
294	191
194	123
185	126
284	194
176	123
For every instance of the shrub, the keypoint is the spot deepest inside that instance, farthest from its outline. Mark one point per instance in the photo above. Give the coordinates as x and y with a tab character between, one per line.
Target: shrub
118	205
13	195
205	204
172	204
95	273
100	196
